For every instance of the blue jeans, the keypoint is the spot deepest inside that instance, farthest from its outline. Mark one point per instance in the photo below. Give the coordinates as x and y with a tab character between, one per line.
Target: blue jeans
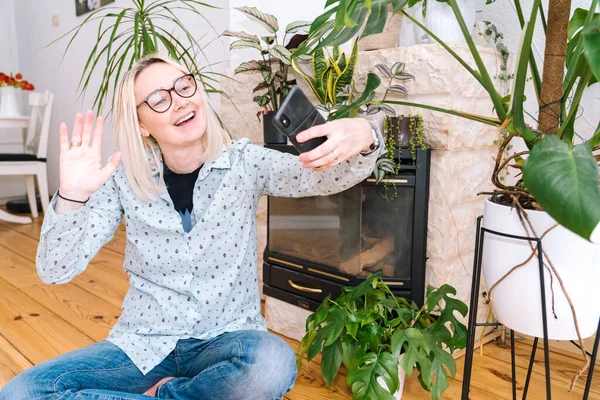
235	365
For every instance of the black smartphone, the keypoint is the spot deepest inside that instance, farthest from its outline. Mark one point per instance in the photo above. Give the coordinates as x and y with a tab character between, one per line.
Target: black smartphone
295	115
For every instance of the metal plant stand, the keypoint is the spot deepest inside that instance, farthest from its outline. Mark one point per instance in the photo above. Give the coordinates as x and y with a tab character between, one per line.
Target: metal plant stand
473	324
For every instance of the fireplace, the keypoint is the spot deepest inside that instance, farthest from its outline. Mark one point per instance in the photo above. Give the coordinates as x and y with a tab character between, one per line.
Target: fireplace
317	245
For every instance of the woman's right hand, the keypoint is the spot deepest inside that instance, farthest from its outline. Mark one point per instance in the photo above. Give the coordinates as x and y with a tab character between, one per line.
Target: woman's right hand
81	168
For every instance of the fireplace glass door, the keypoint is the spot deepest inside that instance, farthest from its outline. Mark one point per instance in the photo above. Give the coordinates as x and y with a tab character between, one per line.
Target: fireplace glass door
357	231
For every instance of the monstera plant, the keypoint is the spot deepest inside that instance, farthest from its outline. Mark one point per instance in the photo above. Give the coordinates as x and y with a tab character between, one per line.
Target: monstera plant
367	329
559	176
556	174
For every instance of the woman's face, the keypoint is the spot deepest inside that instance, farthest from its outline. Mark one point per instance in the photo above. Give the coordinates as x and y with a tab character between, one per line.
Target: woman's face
184	123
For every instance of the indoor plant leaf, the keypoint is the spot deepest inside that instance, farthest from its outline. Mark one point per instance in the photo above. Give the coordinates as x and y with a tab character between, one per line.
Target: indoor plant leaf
249	67
282	53
245	44
298	26
377	18
591	46
363	380
331	361
564	181
241	35
268	21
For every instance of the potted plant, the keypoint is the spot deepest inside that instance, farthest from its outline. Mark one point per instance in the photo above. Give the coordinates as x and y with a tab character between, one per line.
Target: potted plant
127	34
388	34
272	66
9	106
331	78
400	132
368	329
556	198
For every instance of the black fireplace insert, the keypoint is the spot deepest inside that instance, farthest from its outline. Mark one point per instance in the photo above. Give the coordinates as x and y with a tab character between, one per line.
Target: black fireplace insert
317	245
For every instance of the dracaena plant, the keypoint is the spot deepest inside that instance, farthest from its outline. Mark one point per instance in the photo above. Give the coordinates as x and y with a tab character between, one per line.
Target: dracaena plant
274	59
367	328
559	176
127	34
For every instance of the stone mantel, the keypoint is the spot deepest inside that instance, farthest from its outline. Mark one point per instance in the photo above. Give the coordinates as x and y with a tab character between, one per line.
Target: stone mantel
461	165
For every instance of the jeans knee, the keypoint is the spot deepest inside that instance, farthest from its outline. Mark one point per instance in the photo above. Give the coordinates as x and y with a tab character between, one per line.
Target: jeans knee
274	366
26	385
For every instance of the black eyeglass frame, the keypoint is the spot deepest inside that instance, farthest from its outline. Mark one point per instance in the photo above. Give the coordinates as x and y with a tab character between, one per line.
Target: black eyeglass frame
145	101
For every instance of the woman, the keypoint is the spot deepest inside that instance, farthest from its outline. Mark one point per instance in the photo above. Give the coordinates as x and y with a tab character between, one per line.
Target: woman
191	326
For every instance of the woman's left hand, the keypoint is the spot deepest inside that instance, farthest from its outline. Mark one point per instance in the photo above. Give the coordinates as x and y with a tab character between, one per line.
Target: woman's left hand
345	138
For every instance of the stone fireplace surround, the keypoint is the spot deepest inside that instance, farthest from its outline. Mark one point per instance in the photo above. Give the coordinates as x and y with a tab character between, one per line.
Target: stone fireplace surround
462	160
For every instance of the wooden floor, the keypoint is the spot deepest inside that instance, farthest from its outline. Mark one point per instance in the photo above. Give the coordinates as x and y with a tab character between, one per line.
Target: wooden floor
39	321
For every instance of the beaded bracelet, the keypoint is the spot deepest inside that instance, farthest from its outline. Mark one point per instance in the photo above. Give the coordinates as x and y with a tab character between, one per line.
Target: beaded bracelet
71	200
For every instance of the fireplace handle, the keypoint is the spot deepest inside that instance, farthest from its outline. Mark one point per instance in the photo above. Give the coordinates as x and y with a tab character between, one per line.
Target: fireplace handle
388	180
304	289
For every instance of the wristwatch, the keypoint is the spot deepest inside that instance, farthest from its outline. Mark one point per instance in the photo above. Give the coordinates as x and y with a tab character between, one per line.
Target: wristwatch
377	140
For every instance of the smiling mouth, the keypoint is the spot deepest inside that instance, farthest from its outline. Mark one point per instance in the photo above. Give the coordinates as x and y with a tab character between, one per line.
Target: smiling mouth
185	119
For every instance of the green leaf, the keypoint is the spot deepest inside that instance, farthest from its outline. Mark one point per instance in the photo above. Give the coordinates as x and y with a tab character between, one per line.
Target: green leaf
398	5
591	46
577	21
282	53
336	325
564	181
245	44
377	18
331	361
367	95
371	334
268	21
363	380
414	340
350	354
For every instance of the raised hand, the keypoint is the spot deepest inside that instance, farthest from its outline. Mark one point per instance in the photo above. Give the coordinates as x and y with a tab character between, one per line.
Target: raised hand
345	138
81	167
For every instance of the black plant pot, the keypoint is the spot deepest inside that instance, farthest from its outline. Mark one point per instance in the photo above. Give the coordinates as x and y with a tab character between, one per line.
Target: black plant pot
401	136
272	135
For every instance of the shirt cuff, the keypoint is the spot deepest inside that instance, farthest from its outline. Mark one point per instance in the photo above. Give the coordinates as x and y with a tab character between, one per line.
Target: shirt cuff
61	223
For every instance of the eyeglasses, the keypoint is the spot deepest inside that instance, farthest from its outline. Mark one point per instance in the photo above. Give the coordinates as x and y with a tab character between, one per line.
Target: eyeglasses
160	100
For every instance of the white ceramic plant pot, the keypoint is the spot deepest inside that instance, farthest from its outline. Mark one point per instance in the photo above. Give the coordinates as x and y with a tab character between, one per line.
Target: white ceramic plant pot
516	301
401	377
9	104
442	22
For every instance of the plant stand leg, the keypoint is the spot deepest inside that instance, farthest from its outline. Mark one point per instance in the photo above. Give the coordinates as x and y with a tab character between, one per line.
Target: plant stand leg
544	320
475	284
588	384
530	369
513	365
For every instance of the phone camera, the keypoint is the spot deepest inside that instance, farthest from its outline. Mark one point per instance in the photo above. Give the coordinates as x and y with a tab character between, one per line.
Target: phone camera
285	121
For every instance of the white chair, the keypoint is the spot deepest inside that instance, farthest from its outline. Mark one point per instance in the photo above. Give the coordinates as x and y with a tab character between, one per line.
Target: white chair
33	164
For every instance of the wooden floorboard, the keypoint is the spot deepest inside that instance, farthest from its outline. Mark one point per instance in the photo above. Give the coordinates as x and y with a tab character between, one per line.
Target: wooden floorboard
39	321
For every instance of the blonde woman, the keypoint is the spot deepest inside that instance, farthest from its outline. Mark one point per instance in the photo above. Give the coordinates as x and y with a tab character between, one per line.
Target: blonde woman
191	326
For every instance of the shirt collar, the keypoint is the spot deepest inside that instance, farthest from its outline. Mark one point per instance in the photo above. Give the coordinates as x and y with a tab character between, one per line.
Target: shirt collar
223	161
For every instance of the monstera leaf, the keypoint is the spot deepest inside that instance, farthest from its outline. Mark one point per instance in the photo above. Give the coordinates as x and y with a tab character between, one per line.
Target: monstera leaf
564	181
363	380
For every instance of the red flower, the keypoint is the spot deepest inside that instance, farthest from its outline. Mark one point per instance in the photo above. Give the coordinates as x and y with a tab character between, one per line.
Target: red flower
16	81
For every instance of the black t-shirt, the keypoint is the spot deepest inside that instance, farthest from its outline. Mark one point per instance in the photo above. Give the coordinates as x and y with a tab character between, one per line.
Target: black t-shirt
181	190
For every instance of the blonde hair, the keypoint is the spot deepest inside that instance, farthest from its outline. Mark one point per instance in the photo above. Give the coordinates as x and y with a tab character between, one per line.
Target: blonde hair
137	149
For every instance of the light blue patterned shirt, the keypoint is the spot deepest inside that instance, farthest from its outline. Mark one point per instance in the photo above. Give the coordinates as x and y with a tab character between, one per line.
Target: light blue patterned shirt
195	284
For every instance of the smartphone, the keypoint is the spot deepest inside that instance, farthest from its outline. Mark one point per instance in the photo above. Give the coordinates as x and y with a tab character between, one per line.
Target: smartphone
295	115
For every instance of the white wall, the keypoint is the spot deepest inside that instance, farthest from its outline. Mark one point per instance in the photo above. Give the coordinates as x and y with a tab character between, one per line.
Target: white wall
11	140
43	67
